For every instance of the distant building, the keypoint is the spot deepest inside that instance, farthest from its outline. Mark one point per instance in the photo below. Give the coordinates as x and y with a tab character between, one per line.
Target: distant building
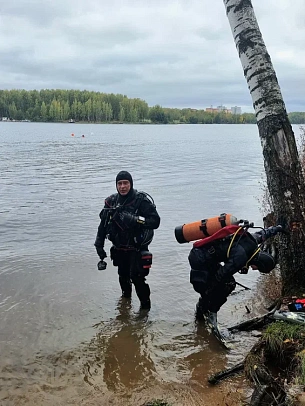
211	110
221	108
218	109
236	110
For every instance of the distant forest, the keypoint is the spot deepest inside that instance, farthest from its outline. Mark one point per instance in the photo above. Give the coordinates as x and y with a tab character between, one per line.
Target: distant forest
95	107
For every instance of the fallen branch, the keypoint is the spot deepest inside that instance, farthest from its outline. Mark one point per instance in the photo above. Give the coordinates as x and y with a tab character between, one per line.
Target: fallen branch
243	286
253	323
225	373
258	321
275	305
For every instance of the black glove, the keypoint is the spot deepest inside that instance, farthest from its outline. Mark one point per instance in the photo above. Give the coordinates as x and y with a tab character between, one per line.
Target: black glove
124	219
130	220
282	226
281	229
220	276
101	253
102	265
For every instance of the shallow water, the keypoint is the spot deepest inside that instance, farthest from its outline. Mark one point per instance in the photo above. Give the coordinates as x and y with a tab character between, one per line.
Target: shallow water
66	337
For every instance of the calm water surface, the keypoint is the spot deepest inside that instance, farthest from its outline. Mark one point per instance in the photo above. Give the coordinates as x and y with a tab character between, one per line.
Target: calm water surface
66	337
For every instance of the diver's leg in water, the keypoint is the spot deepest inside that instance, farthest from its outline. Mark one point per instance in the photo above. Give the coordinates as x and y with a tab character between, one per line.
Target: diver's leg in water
203	302
124	274
218	296
138	278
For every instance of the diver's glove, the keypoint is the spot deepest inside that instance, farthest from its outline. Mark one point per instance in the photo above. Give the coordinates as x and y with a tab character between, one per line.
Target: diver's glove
282	226
281	229
101	253
130	220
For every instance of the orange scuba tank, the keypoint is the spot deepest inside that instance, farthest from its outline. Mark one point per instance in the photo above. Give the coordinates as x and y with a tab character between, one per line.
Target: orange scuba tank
203	228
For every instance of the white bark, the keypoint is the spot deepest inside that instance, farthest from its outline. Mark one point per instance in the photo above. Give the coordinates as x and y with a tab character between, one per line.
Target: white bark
283	169
255	60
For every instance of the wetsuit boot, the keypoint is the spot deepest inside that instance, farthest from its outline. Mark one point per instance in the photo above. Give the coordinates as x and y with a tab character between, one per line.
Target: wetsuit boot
211	318
143	292
126	287
201	309
145	305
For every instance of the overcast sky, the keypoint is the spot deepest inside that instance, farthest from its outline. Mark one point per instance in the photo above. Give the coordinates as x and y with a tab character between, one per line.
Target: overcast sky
176	53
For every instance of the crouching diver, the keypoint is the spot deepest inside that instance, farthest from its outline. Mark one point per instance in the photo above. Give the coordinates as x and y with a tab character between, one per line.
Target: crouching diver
128	220
214	261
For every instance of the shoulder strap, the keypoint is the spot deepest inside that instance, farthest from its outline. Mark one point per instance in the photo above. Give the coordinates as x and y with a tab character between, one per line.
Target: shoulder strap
139	199
148	197
112	200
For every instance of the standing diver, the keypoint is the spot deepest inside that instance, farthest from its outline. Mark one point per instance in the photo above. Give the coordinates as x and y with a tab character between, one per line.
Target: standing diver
128	220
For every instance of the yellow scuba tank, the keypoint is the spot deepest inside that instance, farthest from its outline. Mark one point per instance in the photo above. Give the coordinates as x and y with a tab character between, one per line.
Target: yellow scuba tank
203	228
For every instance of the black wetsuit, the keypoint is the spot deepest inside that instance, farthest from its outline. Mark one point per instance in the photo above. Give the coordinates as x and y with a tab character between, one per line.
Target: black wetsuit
128	242
215	281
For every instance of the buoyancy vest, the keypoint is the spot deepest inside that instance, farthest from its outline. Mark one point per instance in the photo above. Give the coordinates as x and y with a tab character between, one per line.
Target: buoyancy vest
125	237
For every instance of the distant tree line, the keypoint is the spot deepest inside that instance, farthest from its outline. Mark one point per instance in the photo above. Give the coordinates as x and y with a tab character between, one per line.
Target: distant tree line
94	107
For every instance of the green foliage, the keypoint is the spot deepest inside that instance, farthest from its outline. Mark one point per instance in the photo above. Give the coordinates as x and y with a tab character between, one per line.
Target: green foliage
277	334
61	105
297	117
157	115
286	343
157	402
300	378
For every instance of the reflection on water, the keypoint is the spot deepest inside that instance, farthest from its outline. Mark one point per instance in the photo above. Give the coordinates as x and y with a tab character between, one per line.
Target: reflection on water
64	337
128	361
124	353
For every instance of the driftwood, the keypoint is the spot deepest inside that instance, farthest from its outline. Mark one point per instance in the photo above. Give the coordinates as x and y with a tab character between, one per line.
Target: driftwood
258	321
267	391
276	304
253	323
243	286
213	379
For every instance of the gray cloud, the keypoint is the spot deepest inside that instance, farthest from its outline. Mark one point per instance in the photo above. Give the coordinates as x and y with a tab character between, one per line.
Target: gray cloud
175	53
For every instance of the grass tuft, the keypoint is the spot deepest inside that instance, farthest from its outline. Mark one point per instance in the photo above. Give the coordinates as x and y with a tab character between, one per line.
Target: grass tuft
157	402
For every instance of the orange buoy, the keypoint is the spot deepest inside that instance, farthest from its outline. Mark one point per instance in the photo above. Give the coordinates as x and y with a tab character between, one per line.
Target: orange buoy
72	135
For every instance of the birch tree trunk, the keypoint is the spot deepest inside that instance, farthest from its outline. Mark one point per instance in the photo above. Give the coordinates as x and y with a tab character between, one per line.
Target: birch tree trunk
282	165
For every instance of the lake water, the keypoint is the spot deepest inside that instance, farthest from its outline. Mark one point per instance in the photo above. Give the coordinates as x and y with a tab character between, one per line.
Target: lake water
66	337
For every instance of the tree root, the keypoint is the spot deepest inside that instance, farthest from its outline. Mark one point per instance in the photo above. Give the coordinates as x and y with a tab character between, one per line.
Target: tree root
267	389
266	395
